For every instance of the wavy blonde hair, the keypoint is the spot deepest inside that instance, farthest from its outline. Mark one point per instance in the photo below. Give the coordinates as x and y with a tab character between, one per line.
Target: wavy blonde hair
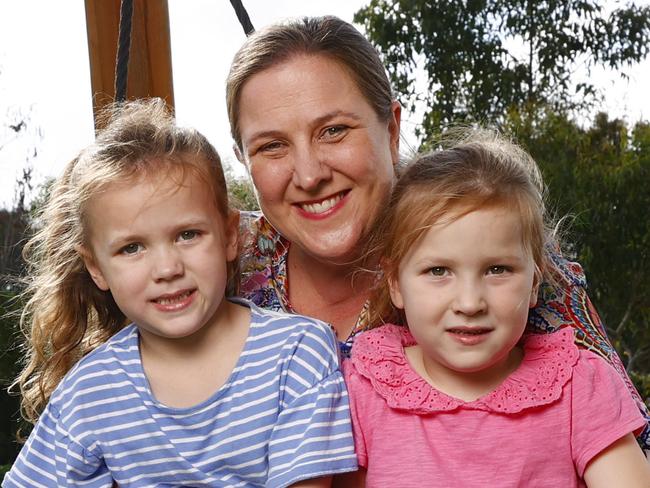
66	315
475	168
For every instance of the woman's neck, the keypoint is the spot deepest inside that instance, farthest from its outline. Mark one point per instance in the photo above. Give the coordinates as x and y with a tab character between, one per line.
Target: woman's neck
330	292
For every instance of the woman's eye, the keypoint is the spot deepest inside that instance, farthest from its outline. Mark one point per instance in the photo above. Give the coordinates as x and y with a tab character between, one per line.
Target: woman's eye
132	248
271	147
334	131
438	271
188	235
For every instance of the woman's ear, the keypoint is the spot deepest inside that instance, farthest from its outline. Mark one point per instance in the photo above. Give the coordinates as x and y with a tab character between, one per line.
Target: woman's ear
93	269
240	157
232	235
394	130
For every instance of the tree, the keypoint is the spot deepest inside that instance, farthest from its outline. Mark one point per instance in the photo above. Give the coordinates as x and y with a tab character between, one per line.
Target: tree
483	57
15	229
240	191
599	175
18	140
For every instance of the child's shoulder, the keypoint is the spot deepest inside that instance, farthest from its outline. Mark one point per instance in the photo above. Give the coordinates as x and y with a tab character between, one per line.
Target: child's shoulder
593	369
116	357
561	347
387	337
291	323
293	330
560	362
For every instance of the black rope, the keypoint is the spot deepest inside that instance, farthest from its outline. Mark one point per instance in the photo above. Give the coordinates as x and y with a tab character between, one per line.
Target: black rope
123	50
243	17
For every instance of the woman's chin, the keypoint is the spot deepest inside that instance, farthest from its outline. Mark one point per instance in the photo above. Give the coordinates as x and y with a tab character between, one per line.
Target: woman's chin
339	250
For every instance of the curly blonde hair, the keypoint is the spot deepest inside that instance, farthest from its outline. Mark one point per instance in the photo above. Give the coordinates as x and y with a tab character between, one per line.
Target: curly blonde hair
474	168
66	315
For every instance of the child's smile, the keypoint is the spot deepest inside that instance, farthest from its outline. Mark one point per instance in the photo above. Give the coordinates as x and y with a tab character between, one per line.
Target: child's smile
173	302
469	336
466	288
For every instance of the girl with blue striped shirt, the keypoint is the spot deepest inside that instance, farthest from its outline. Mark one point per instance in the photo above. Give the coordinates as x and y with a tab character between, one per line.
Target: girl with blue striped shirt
140	372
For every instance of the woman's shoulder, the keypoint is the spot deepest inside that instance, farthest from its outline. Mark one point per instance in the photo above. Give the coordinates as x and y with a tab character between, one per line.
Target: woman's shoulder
249	222
256	234
262	262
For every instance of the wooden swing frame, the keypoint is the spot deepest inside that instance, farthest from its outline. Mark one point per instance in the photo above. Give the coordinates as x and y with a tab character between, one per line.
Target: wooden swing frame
150	62
148	65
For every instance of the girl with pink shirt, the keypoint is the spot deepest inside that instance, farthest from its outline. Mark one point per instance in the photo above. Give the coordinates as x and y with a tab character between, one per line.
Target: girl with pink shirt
452	390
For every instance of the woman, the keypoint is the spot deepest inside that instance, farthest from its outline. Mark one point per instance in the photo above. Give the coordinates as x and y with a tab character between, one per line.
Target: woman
315	122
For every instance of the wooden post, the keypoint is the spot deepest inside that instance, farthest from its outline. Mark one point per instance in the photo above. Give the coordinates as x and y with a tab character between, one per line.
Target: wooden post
150	63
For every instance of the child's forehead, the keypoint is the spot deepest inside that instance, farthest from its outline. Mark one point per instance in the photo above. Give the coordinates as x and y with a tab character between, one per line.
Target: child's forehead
164	175
444	209
145	199
445	214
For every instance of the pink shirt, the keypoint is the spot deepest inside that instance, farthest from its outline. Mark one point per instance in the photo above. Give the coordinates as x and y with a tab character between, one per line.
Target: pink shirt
539	428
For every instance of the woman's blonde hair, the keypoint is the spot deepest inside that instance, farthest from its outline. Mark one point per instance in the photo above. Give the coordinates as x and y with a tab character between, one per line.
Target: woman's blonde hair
476	168
66	315
326	36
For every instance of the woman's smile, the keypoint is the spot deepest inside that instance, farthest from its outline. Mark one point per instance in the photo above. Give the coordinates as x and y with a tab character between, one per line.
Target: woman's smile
319	156
323	208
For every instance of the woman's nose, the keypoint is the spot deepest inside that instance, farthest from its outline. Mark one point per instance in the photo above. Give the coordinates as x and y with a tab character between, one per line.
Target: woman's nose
310	169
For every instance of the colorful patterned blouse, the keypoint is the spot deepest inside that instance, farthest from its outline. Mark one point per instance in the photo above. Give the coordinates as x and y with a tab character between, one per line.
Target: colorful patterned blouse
564	304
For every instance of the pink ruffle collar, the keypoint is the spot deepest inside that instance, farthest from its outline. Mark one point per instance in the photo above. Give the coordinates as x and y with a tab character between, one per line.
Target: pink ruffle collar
547	366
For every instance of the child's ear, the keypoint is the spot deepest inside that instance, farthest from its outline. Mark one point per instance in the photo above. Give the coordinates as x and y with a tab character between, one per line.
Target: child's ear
232	235
393	285
93	270
534	293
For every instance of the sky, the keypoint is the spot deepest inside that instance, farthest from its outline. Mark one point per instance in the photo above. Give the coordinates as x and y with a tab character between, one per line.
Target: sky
45	77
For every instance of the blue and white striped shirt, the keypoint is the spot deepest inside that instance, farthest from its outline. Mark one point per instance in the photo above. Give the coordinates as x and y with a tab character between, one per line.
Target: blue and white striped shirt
281	417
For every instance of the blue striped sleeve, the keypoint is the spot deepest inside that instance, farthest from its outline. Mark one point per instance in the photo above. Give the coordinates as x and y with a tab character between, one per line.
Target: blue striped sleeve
50	458
313	433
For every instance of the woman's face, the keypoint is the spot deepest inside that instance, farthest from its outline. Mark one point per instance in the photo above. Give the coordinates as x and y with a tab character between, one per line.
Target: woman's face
320	158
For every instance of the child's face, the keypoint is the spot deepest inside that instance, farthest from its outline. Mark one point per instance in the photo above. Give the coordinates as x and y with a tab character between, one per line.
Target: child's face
466	288
161	249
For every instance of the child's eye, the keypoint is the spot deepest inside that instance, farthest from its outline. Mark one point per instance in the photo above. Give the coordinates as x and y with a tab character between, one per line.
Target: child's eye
188	235
497	270
438	271
132	248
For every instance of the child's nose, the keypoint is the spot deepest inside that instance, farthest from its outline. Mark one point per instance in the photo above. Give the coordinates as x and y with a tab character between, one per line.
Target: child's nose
167	265
469	299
